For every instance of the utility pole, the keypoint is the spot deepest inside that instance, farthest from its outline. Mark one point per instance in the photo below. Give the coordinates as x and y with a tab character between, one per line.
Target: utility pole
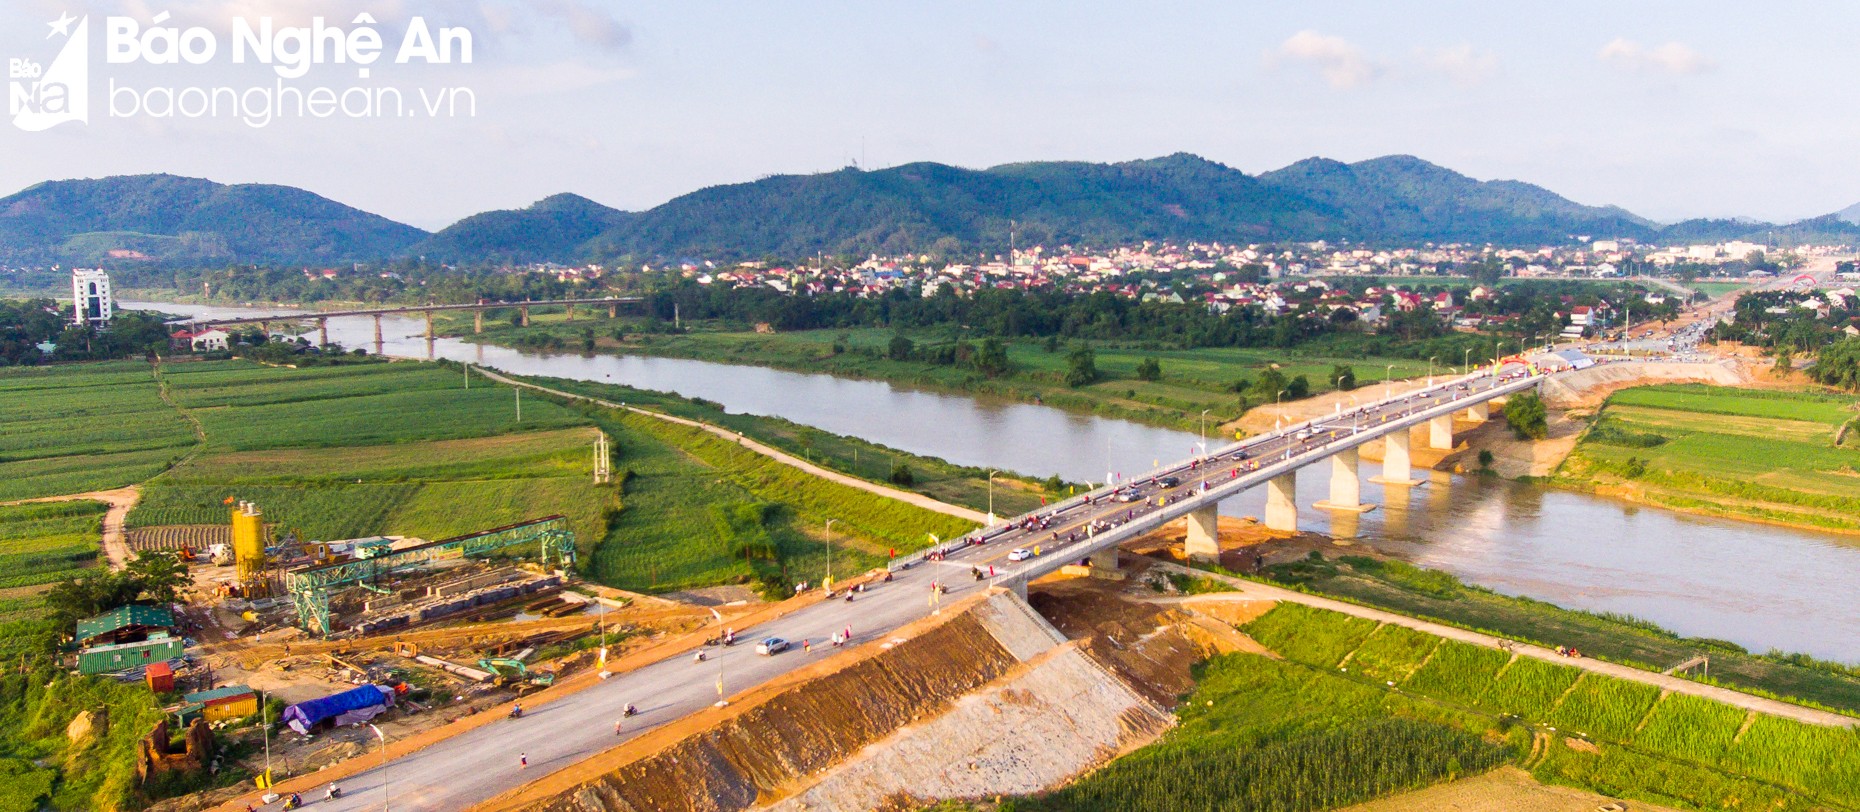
829	546
603	459
519	392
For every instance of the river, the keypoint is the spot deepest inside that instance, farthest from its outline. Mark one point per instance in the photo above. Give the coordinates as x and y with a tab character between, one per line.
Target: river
1760	586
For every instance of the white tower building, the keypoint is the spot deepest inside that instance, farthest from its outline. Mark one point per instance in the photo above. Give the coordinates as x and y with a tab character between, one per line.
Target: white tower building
92	302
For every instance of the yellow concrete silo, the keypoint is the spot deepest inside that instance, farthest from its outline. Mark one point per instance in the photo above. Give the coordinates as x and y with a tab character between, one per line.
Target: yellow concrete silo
248	532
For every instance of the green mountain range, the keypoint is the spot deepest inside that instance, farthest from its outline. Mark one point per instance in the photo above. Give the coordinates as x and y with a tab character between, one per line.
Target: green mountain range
920	207
176	219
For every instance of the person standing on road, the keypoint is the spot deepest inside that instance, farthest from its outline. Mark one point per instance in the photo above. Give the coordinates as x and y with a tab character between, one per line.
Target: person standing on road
523	760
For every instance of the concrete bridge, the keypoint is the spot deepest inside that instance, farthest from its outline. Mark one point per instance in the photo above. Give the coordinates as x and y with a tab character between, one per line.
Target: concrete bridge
1092	525
612	304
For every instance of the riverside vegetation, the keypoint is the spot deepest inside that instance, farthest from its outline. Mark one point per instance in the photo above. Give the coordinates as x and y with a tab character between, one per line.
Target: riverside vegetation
1772	456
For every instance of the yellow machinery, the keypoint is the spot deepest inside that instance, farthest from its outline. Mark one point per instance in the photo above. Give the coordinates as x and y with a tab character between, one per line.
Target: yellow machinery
248	532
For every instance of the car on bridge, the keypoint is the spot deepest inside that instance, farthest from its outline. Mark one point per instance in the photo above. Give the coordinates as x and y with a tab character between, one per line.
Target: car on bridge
1128	495
1019	554
771	646
1169	481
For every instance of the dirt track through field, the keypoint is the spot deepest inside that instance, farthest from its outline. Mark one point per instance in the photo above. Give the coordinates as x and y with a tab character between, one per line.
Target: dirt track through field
121	501
784	458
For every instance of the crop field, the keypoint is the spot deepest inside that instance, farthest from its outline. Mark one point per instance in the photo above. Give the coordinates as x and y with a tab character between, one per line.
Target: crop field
1604	707
321	512
1457	672
444	509
1392	653
1261	734
1754	454
72	429
1529	688
1824	762
563	452
1673	749
43	543
1690	728
1316	637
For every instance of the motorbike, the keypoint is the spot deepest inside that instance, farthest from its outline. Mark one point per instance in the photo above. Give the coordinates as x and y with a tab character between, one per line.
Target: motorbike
516	712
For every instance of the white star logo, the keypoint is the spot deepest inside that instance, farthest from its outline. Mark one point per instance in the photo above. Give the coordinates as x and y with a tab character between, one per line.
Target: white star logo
61	27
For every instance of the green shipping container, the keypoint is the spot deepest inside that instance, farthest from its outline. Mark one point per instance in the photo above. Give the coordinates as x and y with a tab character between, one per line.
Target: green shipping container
123	656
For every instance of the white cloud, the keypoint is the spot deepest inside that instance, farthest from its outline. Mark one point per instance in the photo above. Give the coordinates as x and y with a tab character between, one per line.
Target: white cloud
1673	58
1464	64
1342	64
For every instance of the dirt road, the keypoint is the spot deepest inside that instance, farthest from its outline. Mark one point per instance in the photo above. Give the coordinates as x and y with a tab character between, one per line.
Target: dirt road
782	457
121	501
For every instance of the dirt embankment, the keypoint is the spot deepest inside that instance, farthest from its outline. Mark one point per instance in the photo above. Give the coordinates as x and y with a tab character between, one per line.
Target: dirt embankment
1588	388
988	700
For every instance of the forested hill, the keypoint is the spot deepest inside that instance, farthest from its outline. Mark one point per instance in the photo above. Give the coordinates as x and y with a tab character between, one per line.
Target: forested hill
914	208
165	218
928	206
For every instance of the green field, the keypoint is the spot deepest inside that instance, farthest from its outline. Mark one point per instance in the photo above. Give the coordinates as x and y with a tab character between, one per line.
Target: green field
1439	596
74	429
1748	454
1672	749
406	449
1192	380
47	542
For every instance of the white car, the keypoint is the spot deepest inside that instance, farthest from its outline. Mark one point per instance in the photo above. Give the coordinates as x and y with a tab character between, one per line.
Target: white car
1020	554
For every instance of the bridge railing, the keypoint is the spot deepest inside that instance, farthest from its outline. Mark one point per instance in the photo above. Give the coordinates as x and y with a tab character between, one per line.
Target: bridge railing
1056	509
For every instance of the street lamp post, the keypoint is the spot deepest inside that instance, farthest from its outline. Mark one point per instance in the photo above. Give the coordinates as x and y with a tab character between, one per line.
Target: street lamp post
1430	369
991	496
1388	386
384	783
1466	359
1204	430
829	546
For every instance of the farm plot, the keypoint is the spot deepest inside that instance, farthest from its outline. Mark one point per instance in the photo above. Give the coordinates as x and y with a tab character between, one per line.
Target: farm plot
85	427
1312	636
1605	707
1458	672
43	543
1529	688
1392	653
1691	728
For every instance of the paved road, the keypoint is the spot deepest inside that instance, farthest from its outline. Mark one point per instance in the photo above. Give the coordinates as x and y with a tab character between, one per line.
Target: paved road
481	763
1252	590
1054	531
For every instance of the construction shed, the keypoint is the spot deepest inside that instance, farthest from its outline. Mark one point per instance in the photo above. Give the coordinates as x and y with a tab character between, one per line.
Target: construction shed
124	624
159	647
349	707
220	704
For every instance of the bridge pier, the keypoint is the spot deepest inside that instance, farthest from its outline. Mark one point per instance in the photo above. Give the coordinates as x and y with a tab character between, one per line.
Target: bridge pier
1346	487
377	335
1282	502
525	312
1204	532
571	312
1481	411
613	311
477	321
1397	464
266	326
322	328
1440	432
1018	586
1104	565
429	325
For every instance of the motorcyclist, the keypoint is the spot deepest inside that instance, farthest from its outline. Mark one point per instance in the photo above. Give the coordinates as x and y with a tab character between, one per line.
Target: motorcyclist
630	710
699	657
516	710
334	792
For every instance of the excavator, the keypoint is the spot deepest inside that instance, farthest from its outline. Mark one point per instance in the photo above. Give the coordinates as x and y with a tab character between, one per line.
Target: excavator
505	671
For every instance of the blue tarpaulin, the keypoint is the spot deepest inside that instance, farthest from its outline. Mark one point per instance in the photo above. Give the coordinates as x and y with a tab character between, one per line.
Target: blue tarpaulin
305	715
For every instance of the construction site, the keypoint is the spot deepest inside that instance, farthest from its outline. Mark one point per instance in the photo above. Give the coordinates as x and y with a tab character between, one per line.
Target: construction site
403	633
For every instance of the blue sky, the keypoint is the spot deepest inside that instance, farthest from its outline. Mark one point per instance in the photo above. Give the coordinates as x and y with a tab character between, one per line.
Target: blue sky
1672	110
